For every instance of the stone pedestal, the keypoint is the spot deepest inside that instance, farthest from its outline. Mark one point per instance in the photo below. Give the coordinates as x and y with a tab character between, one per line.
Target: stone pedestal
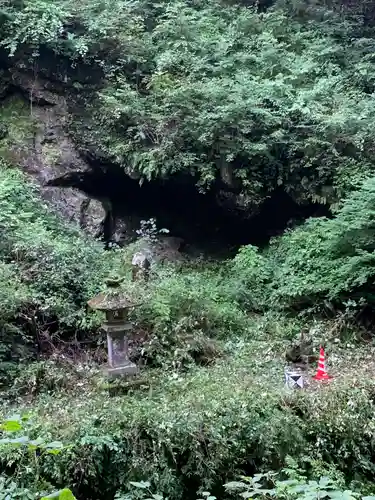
124	370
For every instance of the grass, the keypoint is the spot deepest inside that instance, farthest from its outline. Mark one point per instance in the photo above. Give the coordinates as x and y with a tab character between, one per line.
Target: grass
247	366
204	426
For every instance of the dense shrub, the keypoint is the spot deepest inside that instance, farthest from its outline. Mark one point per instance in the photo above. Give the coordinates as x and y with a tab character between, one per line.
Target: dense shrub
323	260
184	309
13	296
29	484
212	89
50	270
184	433
58	269
249	275
328	259
255	100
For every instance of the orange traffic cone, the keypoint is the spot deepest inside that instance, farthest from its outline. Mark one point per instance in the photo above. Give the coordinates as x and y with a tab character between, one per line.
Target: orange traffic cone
321	374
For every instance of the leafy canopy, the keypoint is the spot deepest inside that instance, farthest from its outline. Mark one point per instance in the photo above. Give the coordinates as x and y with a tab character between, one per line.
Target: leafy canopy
218	91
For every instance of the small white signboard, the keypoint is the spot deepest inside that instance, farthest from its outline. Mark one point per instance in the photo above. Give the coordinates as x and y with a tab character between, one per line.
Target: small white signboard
293	380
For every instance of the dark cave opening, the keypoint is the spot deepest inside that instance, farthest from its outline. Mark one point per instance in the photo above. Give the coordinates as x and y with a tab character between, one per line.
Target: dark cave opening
199	219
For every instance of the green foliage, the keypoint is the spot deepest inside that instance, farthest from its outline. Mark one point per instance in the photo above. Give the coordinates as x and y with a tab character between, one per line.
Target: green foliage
322	261
34	378
210	423
329	259
64	494
32	449
250	275
58	269
202	427
18	126
275	98
142	490
39	22
184	310
269	98
48	271
295	488
205	427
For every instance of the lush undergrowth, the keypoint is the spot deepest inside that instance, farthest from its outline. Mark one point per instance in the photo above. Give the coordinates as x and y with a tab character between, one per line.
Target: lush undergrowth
209	404
48	269
186	432
323	261
243	99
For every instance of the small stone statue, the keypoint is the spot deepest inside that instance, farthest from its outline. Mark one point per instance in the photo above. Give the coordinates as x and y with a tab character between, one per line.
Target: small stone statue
141	264
301	352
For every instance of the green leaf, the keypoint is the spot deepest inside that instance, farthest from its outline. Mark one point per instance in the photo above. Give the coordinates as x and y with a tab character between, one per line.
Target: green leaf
53	452
11	426
258	477
15	417
58	445
36	442
64	494
235	485
15	441
143	484
54	448
324	481
341	495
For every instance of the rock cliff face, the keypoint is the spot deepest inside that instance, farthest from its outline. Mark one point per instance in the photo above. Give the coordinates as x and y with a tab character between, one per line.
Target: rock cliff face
34	121
34	135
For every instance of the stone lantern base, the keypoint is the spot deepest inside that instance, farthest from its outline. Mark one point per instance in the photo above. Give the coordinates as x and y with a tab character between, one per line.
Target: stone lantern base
122	371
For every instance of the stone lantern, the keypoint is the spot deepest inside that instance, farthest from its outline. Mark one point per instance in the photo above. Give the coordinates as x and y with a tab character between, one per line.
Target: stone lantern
117	326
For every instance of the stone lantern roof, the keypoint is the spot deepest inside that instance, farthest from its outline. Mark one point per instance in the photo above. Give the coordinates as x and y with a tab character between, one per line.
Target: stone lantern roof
113	299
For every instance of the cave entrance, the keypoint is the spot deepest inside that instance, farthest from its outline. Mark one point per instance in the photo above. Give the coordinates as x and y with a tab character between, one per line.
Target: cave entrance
199	219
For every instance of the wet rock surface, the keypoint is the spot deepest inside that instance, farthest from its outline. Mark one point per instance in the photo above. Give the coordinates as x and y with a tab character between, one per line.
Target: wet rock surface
40	146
